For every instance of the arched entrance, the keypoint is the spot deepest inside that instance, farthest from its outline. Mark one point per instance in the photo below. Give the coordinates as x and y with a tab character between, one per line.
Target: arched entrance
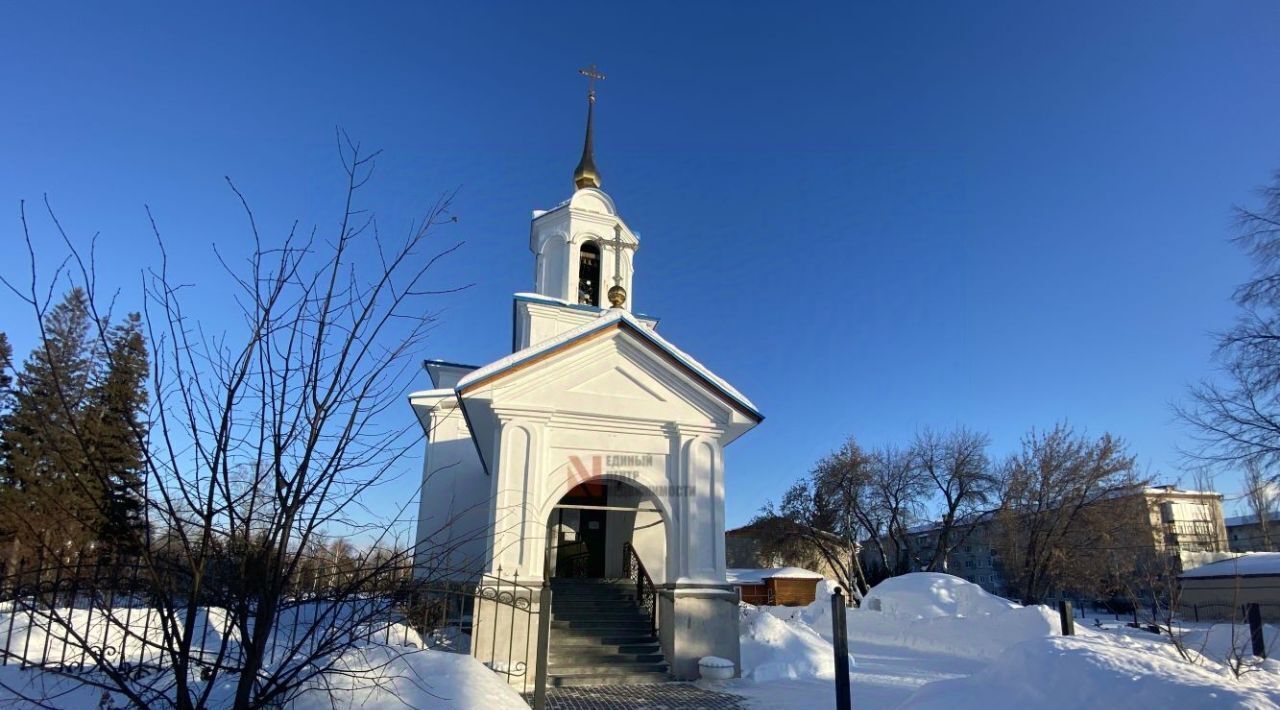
606	556
598	525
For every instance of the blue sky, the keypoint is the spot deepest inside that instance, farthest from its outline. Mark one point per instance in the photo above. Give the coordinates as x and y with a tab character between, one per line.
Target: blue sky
869	218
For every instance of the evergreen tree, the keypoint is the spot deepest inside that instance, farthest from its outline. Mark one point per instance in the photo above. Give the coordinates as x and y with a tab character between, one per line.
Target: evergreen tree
51	499
6	408
6	376
114	427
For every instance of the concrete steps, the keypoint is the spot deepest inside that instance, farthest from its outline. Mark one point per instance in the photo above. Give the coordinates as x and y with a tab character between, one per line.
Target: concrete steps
601	636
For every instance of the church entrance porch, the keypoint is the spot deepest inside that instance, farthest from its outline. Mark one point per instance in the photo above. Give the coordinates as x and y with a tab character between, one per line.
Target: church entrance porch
598	526
604	621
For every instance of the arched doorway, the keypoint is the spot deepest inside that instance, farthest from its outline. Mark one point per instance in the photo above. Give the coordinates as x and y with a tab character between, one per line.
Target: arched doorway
599	525
606	558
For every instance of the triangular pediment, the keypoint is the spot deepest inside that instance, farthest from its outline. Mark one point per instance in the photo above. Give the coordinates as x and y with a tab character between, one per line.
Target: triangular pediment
618	383
613	373
610	376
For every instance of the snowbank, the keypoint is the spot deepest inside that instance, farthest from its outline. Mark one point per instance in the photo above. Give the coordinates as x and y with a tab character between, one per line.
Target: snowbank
930	612
929	595
1066	673
1221	642
939	613
937	641
381	677
775	648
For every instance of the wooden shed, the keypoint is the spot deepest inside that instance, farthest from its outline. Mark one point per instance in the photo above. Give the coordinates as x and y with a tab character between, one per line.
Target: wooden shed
775	586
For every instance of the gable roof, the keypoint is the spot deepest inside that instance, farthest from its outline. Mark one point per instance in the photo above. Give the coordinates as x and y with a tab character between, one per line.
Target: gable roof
614	318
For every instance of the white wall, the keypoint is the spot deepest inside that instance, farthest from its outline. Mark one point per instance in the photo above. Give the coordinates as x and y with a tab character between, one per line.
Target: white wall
453	510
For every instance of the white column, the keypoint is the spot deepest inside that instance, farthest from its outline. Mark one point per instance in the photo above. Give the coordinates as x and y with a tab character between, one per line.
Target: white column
705	521
717	509
697	482
571	268
519	527
678	532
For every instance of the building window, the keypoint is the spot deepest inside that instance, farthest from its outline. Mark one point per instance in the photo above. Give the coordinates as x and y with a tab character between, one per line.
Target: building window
589	274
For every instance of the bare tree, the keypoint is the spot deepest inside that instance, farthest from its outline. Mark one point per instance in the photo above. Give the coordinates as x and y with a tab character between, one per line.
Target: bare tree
1053	515
1260	494
812	526
877	494
956	468
262	437
874	500
1236	418
897	494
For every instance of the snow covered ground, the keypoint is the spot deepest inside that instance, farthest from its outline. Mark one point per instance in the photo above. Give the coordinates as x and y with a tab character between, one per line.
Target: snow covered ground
932	641
426	680
386	667
921	641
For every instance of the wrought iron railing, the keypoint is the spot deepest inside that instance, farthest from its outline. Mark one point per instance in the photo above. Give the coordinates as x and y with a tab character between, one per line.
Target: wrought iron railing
646	594
575	565
108	621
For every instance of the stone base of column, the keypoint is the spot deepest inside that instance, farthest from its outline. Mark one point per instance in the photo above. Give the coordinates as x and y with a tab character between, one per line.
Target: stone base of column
695	621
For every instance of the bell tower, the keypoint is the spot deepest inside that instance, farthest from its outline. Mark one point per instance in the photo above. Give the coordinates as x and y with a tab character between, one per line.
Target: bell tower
583	250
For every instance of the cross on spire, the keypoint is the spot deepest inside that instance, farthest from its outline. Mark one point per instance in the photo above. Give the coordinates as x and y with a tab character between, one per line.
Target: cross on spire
586	174
592	74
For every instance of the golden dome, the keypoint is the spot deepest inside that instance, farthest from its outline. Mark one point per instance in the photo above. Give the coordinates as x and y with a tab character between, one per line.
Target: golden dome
617	296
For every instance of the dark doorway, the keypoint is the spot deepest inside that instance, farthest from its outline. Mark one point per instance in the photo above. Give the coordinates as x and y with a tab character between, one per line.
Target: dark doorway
592	536
580	546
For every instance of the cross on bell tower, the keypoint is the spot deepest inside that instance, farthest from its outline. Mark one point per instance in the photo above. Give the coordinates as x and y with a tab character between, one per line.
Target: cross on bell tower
583	249
617	294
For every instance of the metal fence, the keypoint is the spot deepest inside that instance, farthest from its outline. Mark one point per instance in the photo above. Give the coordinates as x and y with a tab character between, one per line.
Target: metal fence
1215	612
102	618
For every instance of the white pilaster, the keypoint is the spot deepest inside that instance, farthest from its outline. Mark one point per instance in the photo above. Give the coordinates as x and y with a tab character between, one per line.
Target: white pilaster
519	524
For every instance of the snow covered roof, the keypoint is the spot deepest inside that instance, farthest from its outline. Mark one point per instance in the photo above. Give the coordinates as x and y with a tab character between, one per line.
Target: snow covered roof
542	298
423	394
758	576
1250	519
1174	490
1249	564
612	317
552	300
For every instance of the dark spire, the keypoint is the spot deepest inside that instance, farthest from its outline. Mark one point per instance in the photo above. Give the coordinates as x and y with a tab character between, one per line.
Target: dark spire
586	174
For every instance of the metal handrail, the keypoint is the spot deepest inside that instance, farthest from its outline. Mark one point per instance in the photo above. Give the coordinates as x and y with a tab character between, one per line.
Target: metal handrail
574	566
646	593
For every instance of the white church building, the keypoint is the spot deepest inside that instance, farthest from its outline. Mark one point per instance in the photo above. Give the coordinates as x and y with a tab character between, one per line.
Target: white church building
595	448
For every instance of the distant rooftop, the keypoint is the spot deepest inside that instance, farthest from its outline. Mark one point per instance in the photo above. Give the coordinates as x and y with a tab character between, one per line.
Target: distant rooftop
1249	564
757	576
1251	519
